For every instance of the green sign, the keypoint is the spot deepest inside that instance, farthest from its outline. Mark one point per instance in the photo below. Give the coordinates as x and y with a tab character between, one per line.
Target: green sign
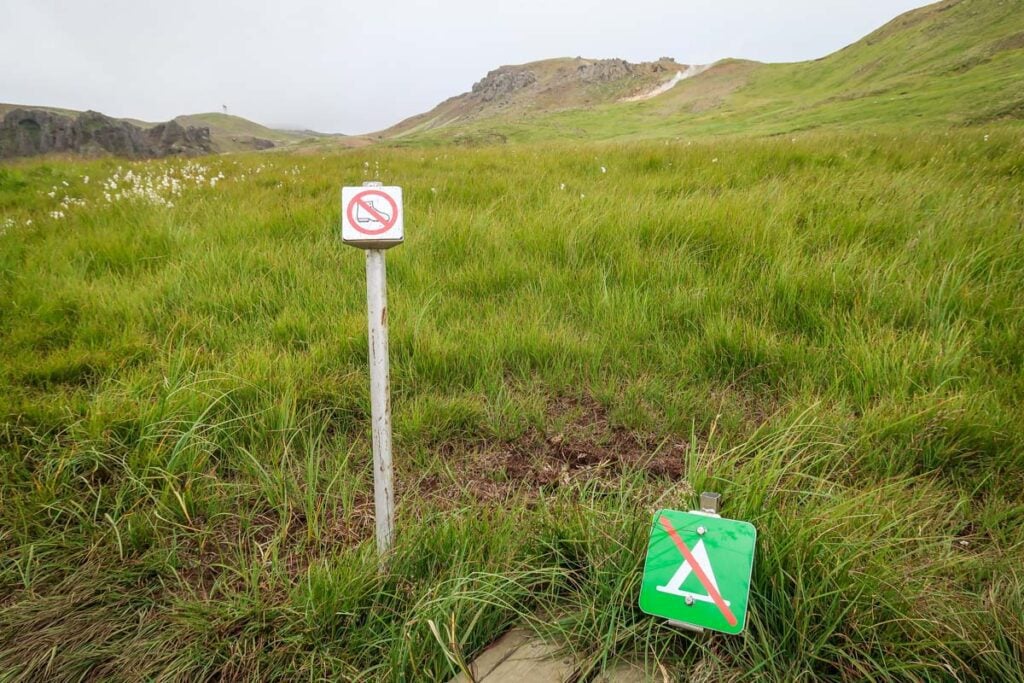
698	570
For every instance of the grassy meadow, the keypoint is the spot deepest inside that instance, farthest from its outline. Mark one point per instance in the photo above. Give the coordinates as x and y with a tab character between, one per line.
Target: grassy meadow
828	329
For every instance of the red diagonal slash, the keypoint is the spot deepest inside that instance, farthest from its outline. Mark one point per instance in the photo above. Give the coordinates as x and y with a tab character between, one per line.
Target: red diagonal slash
373	212
708	586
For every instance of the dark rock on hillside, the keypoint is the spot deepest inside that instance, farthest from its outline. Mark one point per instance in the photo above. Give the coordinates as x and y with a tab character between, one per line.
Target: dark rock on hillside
253	142
28	132
502	82
604	70
174	138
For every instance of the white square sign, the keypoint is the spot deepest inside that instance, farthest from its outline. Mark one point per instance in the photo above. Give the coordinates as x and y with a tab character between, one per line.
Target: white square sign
371	217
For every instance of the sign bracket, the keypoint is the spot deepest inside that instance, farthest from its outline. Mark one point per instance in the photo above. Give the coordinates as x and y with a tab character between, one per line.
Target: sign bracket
686	627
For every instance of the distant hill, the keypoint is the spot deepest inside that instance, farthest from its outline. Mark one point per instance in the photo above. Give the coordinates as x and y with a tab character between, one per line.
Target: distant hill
227	133
550	85
233	133
956	62
26	131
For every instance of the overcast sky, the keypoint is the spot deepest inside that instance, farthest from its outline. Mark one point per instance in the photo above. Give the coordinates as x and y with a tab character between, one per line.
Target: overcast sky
343	66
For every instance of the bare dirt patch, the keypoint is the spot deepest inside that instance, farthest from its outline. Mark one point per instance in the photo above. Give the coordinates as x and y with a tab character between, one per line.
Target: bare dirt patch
581	445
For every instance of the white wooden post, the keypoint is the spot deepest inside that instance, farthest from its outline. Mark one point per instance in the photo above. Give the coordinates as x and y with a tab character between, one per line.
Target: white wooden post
380	398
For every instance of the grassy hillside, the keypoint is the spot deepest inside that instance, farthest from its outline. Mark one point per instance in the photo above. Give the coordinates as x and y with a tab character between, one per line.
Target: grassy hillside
233	133
538	87
957	62
826	330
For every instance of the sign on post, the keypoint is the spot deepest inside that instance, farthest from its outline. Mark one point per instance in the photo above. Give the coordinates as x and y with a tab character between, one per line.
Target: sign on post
371	216
698	570
371	219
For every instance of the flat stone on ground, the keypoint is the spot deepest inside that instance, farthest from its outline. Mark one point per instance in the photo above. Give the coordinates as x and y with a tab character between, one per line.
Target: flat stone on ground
625	673
519	657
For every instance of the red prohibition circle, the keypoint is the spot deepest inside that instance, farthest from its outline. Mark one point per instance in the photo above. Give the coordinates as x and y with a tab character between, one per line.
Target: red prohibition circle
359	199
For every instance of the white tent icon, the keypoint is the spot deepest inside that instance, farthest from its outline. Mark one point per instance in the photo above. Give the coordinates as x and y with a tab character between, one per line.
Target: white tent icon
673	586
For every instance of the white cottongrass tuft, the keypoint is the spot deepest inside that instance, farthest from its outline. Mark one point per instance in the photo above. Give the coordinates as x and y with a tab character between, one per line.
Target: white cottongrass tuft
159	185
68	202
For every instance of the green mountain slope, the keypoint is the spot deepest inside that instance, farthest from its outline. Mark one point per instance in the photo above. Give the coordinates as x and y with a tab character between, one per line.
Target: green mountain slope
956	62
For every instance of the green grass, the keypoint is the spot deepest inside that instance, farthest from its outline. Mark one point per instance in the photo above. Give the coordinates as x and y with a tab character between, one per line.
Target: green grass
826	330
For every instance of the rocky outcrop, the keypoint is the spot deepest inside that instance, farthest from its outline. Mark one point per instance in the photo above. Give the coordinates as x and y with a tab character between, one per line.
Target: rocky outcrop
28	132
172	138
605	70
253	142
501	83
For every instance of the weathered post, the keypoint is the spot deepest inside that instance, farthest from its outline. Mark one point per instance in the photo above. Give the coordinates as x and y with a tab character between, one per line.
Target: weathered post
380	398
